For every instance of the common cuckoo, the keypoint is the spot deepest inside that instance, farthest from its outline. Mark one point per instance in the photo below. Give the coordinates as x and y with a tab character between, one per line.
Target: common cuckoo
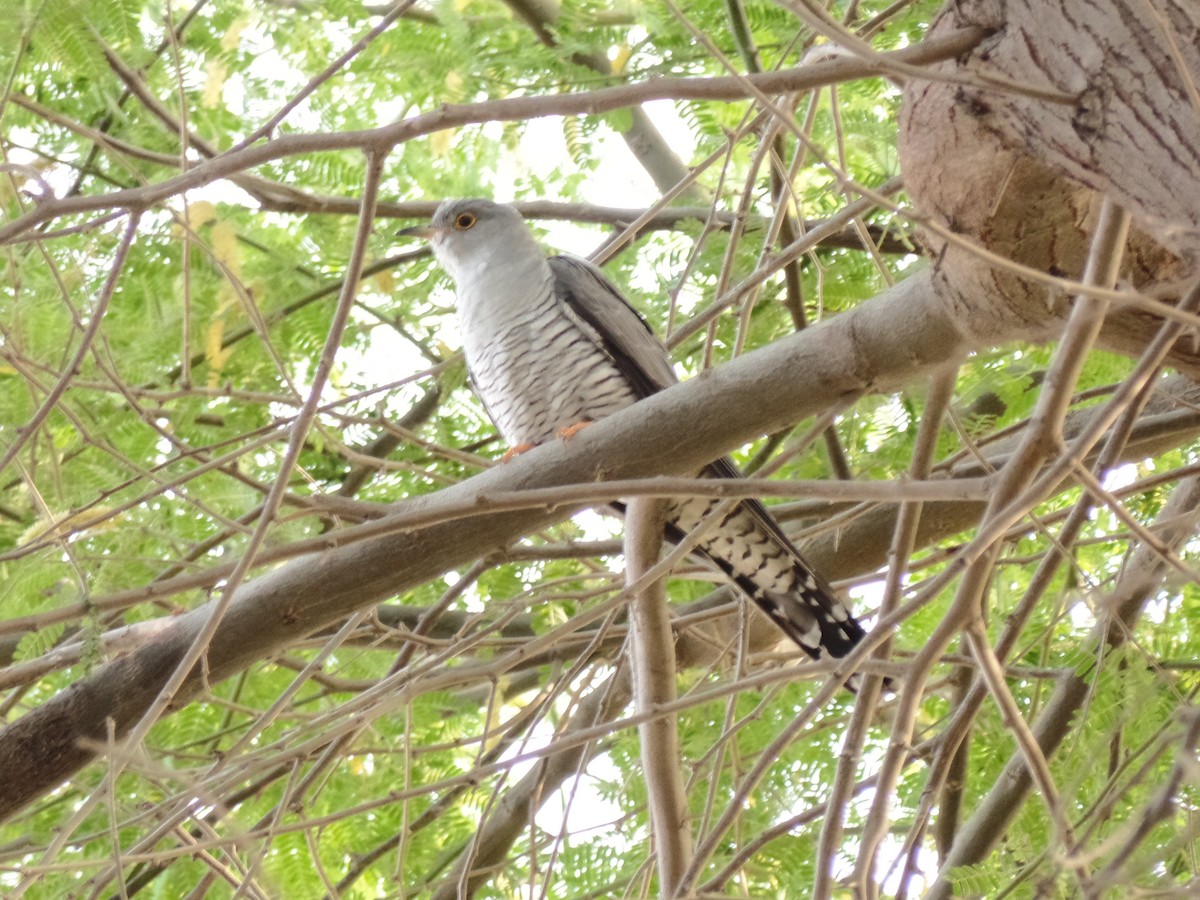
551	343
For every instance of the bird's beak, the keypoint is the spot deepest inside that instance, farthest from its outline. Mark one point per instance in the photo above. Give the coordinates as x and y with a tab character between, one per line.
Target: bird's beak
422	231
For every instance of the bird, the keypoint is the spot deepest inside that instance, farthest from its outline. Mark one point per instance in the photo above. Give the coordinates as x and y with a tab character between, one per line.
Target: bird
551	343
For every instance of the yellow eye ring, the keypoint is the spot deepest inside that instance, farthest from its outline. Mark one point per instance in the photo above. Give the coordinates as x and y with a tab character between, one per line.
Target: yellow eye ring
465	220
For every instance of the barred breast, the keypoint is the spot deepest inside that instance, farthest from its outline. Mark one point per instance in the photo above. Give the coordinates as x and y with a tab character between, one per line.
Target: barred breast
540	372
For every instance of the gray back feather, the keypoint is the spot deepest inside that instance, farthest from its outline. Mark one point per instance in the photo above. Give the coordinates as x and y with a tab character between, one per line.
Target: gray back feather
623	333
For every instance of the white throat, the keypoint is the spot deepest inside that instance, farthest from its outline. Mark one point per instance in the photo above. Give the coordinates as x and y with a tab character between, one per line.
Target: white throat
497	287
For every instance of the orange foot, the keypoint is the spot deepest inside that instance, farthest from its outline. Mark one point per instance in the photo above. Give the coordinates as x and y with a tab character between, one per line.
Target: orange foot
569	431
516	451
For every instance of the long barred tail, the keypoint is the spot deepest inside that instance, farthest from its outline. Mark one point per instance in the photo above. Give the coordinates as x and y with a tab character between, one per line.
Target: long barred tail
751	549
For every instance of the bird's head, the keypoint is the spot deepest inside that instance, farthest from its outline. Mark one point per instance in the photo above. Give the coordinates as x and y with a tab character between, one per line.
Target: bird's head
474	233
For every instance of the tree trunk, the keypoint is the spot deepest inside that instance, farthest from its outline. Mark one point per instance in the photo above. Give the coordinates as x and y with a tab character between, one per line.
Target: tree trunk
1104	104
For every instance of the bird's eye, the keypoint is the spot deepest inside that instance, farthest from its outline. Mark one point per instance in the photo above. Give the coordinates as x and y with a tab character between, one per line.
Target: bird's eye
465	220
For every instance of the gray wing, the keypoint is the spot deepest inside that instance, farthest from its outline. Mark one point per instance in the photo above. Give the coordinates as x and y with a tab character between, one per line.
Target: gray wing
623	333
627	340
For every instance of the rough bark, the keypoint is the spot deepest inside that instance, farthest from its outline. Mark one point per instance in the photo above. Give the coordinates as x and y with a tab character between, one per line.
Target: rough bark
1022	176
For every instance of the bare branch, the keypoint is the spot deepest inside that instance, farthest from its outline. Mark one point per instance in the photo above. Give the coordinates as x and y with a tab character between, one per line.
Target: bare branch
506	110
652	658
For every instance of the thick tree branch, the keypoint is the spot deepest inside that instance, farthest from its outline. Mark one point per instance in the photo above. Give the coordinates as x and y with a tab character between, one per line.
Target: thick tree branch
883	342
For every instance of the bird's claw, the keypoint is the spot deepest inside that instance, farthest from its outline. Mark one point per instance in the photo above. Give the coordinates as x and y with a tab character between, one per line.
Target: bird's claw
569	431
512	452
